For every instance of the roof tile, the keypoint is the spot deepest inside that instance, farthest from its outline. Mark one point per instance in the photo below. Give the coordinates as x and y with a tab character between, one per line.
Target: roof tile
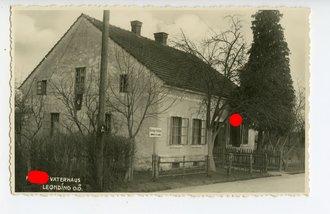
173	66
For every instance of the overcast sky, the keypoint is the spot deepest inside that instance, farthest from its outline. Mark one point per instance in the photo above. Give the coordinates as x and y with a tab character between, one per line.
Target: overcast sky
36	31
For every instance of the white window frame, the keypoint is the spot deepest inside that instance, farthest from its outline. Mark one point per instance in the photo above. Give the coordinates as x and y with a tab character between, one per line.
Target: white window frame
202	130
183	136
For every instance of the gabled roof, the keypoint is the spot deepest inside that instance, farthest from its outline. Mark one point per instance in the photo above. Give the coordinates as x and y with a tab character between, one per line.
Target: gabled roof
174	67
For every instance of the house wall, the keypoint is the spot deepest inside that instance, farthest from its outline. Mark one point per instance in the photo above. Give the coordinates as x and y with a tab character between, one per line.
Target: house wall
186	105
81	47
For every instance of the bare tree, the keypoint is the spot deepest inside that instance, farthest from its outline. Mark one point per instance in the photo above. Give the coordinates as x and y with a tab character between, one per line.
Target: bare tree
295	136
82	118
29	117
226	53
138	96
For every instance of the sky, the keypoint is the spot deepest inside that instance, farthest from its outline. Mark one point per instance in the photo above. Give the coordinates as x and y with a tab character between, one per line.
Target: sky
35	31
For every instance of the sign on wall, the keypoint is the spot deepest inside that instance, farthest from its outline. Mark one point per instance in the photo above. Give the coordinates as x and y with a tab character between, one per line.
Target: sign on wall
155	132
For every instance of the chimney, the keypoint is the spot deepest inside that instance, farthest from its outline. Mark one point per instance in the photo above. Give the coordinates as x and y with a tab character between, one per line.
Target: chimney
161	37
136	27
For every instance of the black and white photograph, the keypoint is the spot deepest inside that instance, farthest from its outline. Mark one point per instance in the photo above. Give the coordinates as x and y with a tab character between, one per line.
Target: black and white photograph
160	100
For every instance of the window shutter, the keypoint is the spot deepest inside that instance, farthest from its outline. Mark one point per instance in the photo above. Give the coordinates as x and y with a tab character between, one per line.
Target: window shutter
245	134
187	130
39	88
169	130
184	131
203	132
191	133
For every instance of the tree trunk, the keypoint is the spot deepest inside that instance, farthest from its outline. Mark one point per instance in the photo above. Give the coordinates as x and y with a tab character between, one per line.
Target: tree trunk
210	143
130	171
28	164
223	150
27	157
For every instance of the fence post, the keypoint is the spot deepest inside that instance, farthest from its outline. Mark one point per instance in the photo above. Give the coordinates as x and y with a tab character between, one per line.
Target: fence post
266	162
251	163
157	166
153	167
230	163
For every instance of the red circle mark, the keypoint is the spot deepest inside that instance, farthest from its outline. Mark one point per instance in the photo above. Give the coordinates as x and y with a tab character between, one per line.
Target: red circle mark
38	177
235	120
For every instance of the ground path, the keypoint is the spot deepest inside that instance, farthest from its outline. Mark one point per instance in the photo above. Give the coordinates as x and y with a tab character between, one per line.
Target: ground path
285	183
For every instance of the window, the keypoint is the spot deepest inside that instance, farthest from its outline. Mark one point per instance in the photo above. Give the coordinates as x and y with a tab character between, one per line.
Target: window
80	80
108	123
79	86
178	130
123	83
235	136
54	123
198	132
42	87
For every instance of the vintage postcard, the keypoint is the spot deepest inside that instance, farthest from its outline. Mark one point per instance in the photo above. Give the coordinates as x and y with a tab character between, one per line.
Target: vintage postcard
159	100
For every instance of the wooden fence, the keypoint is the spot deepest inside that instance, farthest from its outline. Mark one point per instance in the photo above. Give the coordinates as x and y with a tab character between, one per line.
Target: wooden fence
230	158
247	160
163	166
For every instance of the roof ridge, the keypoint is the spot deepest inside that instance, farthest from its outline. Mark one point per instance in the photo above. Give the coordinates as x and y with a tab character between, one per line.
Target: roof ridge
89	18
172	65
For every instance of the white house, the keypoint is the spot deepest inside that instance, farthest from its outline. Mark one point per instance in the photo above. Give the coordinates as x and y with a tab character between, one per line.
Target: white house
66	83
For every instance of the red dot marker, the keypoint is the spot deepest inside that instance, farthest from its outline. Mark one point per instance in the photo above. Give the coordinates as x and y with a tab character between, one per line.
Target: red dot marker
235	120
38	177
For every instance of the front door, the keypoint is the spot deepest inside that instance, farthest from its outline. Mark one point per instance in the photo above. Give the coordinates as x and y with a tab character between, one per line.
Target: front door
235	136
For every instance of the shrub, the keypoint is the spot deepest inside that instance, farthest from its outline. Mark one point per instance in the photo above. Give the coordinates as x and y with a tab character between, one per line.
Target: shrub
73	156
117	151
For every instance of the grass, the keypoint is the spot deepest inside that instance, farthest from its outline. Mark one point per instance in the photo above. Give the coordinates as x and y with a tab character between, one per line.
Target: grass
143	182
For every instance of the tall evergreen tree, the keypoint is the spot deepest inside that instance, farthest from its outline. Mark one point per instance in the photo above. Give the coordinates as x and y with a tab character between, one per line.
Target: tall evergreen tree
266	83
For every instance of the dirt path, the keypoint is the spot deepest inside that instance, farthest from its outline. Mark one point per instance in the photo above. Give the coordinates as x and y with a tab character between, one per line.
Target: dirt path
278	184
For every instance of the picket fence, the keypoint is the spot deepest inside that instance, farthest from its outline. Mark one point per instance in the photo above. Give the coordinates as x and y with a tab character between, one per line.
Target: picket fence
230	158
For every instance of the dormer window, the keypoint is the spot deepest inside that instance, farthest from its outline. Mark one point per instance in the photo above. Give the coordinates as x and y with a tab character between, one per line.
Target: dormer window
42	87
123	83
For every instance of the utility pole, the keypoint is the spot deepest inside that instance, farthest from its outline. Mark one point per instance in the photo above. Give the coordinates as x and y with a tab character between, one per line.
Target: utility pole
102	87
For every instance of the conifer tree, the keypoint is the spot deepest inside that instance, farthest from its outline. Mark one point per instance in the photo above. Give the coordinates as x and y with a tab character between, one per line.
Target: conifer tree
266	84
